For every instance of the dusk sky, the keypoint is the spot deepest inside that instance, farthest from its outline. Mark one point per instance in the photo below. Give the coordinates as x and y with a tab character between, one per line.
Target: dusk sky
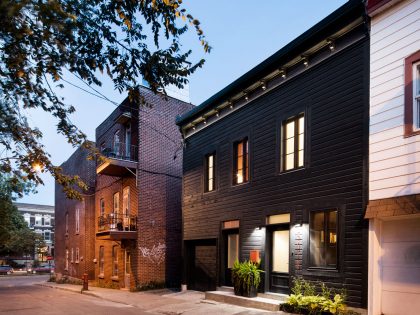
241	33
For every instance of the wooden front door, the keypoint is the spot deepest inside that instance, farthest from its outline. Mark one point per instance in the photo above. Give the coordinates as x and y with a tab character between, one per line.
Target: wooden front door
279	238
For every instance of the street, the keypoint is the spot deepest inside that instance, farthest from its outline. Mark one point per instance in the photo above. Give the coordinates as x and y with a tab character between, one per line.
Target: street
20	295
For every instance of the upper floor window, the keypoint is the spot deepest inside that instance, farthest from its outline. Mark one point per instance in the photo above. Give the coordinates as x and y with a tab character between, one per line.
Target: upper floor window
323	239
102	206
77	217
116	202
67	223
47	235
293	144
47	220
117	143
412	94
241	162
27	218
210	172
38	219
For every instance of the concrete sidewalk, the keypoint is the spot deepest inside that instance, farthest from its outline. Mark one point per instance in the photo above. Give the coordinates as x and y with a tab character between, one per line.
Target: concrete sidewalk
162	301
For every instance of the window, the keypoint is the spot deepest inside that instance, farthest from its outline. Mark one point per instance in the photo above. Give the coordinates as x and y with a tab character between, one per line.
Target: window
72	255
47	220
101	260
117	203
102	206
67	260
323	239
117	143
241	162
77	255
232	249
293	144
47	235
210	172
67	223
77	217
38	219
115	261
412	94
27	218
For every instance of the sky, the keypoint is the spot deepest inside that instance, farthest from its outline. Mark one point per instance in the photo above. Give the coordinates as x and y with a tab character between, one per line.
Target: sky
242	34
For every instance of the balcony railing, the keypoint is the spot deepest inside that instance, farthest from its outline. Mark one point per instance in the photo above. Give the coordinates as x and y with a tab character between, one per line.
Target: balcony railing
117	222
121	151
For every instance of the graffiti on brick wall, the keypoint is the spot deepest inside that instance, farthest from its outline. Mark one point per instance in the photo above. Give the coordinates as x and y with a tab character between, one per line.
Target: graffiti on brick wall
155	254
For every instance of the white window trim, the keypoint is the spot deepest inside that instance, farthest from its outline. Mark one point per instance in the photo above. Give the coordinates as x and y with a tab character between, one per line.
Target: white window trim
72	255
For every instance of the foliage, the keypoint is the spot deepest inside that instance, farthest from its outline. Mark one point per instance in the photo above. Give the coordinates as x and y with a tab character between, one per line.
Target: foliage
245	275
15	236
41	42
152	285
304	299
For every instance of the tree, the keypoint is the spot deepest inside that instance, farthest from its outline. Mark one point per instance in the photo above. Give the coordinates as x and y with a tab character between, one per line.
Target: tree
15	236
40	40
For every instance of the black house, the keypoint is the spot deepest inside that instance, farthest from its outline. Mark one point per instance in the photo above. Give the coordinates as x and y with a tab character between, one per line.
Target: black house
275	165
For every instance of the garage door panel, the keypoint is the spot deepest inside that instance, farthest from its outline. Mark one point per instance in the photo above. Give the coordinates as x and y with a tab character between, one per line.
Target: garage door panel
401	230
401	279
402	254
395	303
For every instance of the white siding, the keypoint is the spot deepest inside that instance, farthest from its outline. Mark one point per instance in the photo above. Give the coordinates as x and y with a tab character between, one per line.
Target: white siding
394	167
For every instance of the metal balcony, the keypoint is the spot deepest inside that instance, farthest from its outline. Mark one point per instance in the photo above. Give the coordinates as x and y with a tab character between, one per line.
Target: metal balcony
120	160
116	226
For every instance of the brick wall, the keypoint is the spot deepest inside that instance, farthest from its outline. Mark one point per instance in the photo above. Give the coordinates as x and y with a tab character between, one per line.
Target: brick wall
69	238
159	180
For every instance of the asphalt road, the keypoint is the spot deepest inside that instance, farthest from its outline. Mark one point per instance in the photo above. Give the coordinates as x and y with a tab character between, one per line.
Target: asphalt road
20	295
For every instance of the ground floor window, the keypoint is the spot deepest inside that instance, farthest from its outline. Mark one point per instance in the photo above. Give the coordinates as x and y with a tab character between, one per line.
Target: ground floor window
323	238
115	261
233	249
101	260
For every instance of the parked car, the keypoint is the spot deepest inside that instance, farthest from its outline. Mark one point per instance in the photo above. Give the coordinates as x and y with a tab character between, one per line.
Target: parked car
6	270
43	268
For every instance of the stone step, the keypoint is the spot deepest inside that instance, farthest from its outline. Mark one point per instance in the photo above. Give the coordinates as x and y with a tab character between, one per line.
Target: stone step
229	297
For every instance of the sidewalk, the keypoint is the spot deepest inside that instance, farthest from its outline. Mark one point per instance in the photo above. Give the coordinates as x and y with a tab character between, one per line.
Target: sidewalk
163	301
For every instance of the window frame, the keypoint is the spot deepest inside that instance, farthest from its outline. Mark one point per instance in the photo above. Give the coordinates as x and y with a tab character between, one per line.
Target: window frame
283	143
77	217
114	261
101	207
66	266
326	231
77	255
67	223
206	172
245	162
409	119
101	260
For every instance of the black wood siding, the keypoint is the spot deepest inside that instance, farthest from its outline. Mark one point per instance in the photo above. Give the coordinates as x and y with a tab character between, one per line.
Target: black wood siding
334	97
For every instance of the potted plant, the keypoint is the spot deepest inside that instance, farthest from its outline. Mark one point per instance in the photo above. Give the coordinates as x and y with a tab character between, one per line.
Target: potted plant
246	277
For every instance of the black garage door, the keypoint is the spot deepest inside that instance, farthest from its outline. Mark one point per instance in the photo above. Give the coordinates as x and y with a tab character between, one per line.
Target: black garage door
201	265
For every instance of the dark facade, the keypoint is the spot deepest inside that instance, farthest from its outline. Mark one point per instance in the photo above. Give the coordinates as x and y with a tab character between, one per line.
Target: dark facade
75	227
318	204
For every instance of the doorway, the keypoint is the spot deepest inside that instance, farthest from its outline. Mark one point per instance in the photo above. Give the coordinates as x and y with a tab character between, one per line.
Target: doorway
127	269
231	253
279	249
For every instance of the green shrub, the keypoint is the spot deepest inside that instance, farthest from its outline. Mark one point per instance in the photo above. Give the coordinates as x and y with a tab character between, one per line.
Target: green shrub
305	300
152	285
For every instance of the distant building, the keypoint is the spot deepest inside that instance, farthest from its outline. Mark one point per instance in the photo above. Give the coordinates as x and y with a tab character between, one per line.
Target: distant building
40	219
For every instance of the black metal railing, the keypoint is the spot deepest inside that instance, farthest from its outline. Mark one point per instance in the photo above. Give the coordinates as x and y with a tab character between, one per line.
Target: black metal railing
117	222
121	151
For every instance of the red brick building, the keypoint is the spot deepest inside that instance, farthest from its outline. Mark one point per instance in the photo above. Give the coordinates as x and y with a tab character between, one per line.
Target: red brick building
137	196
75	227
